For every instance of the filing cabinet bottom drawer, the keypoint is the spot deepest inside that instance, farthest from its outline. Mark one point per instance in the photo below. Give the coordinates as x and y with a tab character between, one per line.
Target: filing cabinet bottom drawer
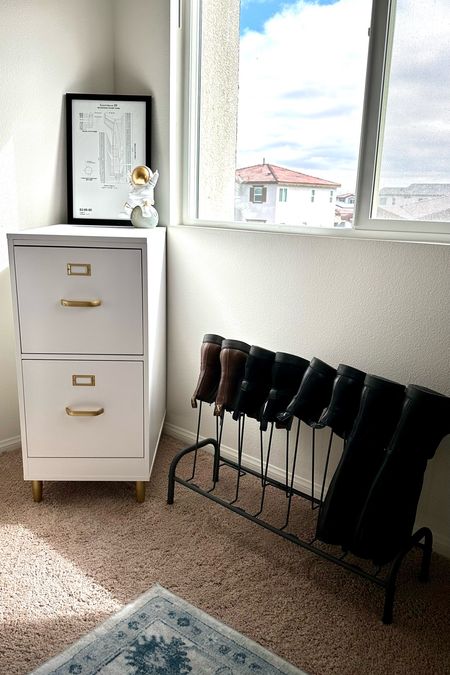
90	409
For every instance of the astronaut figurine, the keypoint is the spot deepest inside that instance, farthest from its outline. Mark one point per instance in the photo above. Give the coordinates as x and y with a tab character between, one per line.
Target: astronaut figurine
139	205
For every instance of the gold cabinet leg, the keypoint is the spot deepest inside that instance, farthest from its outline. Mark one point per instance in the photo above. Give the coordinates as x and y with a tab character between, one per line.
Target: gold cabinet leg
36	490
140	491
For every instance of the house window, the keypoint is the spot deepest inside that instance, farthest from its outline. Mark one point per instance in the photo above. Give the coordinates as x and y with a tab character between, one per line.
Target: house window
248	110
258	194
282	195
313	195
331	196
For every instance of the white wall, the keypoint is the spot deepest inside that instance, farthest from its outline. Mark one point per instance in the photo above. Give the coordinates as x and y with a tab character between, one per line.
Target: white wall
142	66
378	306
47	48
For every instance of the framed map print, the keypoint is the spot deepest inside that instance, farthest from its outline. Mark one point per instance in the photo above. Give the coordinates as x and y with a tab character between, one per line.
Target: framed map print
107	137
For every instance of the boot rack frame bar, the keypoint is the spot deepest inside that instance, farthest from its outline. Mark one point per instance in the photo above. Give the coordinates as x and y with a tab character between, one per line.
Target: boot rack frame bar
422	538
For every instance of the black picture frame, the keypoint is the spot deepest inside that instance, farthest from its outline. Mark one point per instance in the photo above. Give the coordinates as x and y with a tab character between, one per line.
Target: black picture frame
107	136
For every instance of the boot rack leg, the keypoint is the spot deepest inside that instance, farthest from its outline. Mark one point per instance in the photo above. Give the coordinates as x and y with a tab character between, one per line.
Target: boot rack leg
424	533
173	478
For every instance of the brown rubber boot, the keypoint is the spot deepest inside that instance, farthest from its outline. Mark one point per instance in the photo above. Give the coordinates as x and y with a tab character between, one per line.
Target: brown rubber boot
233	357
209	377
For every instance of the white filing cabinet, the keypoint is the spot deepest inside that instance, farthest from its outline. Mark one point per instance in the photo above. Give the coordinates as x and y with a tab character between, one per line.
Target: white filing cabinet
90	321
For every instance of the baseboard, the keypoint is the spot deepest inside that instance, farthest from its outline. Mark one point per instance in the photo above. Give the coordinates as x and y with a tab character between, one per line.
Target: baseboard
441	542
8	444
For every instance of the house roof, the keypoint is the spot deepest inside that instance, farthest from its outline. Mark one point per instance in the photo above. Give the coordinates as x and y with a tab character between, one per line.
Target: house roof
434	209
270	173
418	190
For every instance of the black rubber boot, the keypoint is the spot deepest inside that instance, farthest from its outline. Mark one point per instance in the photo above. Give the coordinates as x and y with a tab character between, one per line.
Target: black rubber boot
233	357
345	399
209	377
387	520
287	374
255	386
313	395
378	415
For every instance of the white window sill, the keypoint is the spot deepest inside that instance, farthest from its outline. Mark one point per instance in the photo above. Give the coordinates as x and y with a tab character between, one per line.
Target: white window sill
442	239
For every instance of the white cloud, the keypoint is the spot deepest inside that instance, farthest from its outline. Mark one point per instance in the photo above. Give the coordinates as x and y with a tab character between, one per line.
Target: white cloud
302	85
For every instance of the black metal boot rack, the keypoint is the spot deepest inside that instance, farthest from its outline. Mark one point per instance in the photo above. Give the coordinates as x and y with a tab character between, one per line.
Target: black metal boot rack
385	576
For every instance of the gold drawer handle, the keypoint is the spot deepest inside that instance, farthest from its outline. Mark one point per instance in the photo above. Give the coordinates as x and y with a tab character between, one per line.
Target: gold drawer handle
84	413
81	303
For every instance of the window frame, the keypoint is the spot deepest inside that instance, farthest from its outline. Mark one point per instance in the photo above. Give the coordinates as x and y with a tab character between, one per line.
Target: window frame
258	194
376	82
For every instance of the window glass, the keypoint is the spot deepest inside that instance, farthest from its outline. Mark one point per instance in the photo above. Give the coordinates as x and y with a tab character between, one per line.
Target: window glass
281	95
413	176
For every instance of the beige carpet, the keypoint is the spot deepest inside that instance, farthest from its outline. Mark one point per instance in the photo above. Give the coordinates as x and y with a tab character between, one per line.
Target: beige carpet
88	548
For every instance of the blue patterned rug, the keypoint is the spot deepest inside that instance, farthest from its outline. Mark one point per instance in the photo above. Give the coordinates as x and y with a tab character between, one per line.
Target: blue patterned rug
161	634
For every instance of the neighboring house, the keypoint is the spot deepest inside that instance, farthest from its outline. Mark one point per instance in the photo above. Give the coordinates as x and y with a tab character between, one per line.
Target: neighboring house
418	201
348	198
344	211
266	193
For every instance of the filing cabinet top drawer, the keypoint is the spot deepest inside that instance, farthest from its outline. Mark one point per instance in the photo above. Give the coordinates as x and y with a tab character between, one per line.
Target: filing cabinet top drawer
79	300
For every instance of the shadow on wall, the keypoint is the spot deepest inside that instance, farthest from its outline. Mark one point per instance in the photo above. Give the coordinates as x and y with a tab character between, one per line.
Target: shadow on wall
9	406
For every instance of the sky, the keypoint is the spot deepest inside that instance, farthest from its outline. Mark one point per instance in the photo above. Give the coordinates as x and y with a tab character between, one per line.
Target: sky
302	74
254	13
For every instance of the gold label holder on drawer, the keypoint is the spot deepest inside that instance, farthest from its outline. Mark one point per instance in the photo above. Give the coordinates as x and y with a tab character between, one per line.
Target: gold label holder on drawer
83	380
78	269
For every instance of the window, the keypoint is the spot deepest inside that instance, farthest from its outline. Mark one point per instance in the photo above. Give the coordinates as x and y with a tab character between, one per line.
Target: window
414	122
252	117
407	120
258	194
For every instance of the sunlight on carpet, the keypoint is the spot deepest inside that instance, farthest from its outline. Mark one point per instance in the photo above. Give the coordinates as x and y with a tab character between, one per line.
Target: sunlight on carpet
48	583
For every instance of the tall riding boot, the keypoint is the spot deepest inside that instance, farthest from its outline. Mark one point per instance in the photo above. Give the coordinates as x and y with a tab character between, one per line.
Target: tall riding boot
287	374
233	357
345	398
313	395
379	412
255	386
387	520
209	377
